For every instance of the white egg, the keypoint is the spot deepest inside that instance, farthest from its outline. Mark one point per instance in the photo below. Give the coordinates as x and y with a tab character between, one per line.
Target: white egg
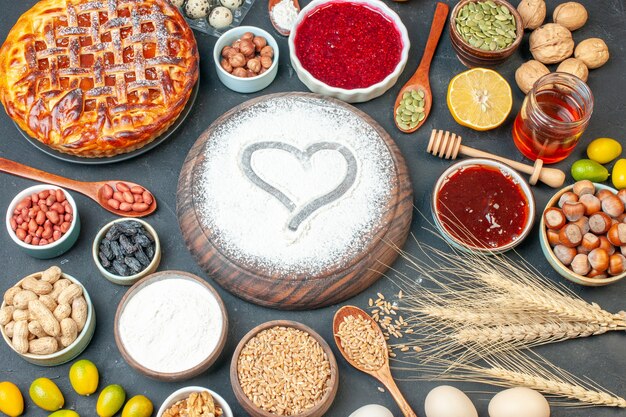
197	9
231	4
220	17
447	401
519	402
372	410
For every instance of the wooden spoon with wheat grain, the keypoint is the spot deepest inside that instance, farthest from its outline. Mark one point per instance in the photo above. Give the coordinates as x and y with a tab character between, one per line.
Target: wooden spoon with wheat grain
372	357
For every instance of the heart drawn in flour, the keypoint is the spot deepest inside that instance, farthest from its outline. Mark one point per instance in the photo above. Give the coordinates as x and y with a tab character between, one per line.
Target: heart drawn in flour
304	156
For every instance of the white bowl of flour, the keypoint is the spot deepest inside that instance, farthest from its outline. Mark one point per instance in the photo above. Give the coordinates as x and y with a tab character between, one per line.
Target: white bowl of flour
171	326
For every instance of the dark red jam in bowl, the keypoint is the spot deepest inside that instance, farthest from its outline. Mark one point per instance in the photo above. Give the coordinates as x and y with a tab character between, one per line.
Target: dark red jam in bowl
482	207
348	45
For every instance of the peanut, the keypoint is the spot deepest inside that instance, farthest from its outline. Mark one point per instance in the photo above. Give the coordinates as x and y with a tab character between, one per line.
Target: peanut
8	329
45	317
51	274
79	312
22	298
36	286
35	328
19	314
59	286
20	336
43	346
69	332
69	293
6	315
62	311
10	294
48	302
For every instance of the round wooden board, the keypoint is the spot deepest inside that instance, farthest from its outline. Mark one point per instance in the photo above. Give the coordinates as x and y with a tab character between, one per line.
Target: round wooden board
301	291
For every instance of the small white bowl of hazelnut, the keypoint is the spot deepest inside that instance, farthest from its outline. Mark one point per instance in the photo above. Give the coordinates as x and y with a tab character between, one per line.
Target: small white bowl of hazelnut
246	59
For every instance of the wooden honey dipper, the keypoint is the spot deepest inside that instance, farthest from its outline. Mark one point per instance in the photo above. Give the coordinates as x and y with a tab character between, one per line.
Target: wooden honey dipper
447	145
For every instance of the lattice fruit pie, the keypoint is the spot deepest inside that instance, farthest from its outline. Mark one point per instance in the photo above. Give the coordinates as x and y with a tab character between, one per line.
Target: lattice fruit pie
98	78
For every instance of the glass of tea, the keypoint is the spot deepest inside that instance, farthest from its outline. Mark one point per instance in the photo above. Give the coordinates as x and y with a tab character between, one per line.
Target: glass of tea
553	116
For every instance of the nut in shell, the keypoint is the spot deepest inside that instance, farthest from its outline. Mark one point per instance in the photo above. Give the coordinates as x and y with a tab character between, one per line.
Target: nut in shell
533	13
593	52
571	15
574	66
528	73
551	43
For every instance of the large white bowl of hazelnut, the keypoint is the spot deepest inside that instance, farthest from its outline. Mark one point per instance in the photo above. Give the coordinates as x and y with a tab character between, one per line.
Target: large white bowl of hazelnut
246	59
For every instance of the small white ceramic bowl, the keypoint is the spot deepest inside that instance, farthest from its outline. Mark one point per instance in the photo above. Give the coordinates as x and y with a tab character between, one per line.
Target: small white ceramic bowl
183	393
238	84
131	279
506	170
73	350
51	250
356	95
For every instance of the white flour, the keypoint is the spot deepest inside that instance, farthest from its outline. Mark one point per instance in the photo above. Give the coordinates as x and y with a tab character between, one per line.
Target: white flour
171	325
284	14
249	225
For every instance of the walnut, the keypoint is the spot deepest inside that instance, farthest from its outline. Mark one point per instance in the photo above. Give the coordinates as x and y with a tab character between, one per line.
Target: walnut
574	66
593	52
528	73
533	13
571	15
551	43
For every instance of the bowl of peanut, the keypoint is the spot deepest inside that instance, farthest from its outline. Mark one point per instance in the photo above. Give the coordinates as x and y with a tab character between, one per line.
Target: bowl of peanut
47	318
246	59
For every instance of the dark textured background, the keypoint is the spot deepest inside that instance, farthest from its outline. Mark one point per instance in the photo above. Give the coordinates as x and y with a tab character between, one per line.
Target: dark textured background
602	358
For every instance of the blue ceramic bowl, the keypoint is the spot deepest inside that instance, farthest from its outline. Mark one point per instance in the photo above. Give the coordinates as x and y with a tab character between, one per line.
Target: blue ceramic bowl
54	249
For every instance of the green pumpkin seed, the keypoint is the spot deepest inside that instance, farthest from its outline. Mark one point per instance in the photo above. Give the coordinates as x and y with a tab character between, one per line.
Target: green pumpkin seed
504	9
410	111
486	25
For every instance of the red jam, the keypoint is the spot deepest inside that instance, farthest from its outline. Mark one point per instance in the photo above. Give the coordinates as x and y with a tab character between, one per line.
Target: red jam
348	45
482	207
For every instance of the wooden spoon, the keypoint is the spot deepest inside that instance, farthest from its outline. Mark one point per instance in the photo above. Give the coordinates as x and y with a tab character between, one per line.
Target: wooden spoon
93	190
384	373
270	6
419	80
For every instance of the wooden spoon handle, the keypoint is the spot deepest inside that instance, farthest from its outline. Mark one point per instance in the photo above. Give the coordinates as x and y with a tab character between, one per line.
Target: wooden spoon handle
439	22
549	176
397	395
35	174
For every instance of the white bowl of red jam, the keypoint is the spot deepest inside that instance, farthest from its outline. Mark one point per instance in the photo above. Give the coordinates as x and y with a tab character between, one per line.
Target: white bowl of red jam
482	205
353	50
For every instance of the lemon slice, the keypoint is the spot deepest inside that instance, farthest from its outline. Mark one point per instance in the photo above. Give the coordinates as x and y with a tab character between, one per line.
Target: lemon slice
479	99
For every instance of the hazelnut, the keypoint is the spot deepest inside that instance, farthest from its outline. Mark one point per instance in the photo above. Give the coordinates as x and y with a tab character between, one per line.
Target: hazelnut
226	65
237	60
553	237
617	264
564	254
580	264
583	187
599	223
236	44
554	218
593	52
590	242
528	73
574	66
568	196
571	15
592	204
602	194
583	223
606	245
617	234
254	65
551	43
612	206
621	194
228	51
259	43
247	36
570	235
240	72
246	47
573	211
266	62
533	13
598	259
267	51
251	74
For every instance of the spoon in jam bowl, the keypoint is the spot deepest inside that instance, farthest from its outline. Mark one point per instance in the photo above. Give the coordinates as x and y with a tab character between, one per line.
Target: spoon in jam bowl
380	370
415	98
99	191
283	31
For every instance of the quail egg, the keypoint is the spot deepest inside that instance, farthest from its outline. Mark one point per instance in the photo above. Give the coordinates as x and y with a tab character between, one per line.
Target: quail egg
177	3
220	17
197	9
231	4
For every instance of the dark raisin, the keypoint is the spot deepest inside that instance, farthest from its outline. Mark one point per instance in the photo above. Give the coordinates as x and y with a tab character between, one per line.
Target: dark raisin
142	240
113	233
141	256
104	261
127	247
129	228
117	250
105	248
133	264
120	268
150	251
